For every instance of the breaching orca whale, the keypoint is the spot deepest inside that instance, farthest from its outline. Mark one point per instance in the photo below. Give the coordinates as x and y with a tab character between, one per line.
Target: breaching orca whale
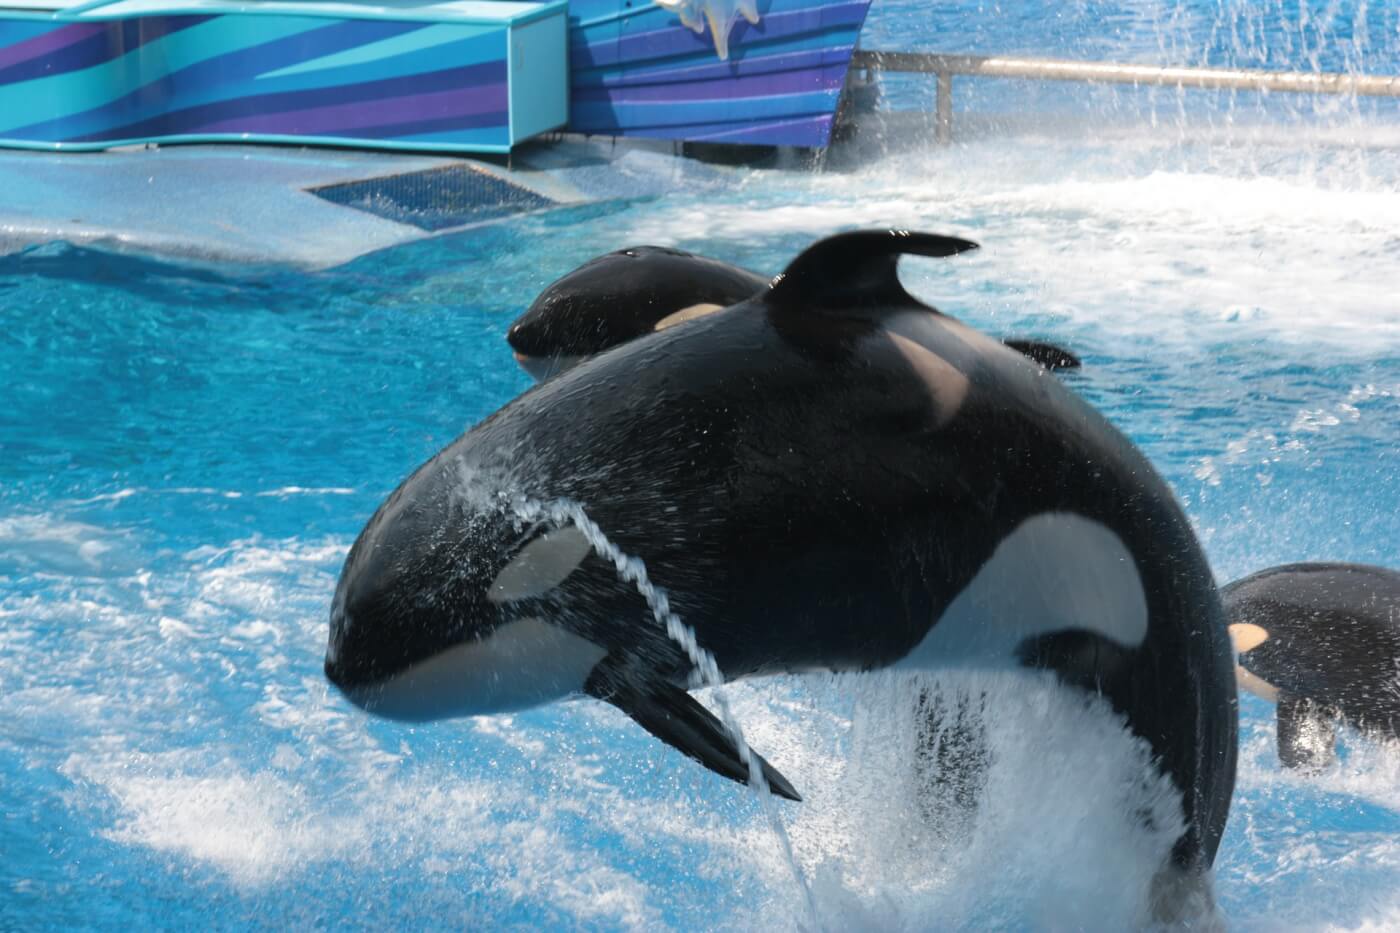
1322	641
830	475
636	291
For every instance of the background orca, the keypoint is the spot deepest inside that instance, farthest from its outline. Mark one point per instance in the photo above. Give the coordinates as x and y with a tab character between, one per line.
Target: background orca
1322	641
636	291
618	297
830	475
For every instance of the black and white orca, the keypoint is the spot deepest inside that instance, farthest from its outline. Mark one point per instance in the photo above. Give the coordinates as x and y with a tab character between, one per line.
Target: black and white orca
640	290
1322	640
619	297
830	475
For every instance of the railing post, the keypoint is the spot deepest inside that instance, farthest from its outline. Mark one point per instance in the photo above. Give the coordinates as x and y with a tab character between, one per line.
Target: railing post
943	132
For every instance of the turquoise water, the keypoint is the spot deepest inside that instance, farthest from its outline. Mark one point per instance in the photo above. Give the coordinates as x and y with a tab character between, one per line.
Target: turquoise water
1284	35
186	453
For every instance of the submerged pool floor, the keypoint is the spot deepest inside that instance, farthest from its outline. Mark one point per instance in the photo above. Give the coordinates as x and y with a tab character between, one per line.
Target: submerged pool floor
187	451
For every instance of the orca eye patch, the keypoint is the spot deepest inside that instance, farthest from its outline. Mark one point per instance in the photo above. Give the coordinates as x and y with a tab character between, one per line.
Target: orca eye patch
541	565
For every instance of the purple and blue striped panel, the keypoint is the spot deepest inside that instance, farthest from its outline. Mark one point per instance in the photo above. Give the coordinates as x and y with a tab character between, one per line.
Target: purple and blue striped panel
158	77
638	72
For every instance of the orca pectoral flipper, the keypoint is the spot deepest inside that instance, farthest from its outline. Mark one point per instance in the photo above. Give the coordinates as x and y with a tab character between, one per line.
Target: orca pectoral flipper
678	719
1046	354
1307	734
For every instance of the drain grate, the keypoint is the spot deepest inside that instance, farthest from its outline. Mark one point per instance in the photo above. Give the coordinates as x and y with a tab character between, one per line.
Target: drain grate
436	198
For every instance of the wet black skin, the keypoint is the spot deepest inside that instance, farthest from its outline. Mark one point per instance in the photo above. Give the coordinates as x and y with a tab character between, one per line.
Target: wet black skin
1333	650
807	502
622	295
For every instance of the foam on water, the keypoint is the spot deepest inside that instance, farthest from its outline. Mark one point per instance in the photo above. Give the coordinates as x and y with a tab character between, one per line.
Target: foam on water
1302	838
39	544
1177	243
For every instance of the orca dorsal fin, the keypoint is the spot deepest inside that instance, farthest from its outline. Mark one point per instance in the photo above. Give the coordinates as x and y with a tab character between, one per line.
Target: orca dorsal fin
858	269
1048	355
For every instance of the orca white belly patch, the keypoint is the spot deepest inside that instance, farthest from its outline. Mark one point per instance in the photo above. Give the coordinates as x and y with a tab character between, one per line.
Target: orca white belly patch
1055	572
522	664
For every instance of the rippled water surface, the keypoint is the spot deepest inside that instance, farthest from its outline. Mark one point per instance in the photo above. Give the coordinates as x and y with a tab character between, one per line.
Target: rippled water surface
186	453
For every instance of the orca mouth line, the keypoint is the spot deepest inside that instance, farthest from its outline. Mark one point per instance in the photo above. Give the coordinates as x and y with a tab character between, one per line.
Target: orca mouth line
339	679
365	694
370	698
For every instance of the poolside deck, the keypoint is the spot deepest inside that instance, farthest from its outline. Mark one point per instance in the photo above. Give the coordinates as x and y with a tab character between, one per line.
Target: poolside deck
259	203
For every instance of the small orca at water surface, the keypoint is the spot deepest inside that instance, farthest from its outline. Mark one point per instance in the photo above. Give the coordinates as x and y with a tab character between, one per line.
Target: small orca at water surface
620	296
627	294
1321	640
830	475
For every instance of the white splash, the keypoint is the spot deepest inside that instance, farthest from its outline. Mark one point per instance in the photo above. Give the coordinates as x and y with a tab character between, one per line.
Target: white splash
1287	853
882	858
1156	244
267	825
50	544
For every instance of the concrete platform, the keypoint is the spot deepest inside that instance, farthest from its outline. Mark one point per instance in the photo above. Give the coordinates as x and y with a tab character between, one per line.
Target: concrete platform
206	202
256	203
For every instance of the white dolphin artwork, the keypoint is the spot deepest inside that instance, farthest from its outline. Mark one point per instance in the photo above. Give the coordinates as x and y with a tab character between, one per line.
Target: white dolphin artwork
720	14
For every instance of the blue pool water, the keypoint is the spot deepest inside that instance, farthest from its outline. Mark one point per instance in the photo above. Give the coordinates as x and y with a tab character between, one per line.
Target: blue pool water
186	453
1285	35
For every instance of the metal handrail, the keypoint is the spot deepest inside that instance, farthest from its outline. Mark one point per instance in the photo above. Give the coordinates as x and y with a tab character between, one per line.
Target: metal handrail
1054	69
